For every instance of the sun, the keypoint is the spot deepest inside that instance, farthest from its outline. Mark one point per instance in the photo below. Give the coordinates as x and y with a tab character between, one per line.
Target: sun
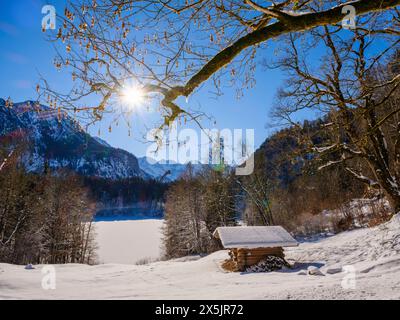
132	96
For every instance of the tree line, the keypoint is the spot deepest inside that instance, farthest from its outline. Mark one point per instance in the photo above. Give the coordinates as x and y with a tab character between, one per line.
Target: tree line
195	205
125	192
43	218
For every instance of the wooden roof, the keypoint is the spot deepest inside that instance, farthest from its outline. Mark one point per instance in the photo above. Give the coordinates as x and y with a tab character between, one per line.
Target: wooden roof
254	237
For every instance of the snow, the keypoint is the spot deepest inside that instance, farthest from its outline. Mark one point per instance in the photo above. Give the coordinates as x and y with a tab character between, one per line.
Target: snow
362	210
254	237
102	142
156	170
128	241
314	271
374	255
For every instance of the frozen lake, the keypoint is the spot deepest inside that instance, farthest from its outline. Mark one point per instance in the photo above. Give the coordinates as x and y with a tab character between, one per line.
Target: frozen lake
128	241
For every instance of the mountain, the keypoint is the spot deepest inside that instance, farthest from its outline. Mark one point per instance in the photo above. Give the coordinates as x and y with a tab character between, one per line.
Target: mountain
166	172
285	154
58	141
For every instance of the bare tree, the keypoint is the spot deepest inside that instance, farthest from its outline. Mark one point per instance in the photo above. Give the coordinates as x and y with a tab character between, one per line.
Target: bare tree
184	231
218	197
257	189
67	235
169	48
42	219
196	205
356	87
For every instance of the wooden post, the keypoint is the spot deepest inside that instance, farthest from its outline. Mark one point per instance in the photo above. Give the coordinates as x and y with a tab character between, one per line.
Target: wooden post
242	258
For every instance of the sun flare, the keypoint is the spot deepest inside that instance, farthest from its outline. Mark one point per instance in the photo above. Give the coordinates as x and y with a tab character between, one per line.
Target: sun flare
132	96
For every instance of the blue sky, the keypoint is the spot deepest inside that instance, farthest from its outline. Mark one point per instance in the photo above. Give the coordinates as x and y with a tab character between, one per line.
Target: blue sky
26	54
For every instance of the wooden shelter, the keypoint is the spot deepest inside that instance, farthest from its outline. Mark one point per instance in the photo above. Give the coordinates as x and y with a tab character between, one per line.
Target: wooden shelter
249	245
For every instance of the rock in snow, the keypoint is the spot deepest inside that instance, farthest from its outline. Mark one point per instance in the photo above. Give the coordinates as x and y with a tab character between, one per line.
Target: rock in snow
333	270
314	271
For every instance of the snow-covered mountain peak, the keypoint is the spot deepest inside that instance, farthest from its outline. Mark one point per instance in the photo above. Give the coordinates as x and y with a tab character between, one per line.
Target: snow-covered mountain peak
56	139
166	170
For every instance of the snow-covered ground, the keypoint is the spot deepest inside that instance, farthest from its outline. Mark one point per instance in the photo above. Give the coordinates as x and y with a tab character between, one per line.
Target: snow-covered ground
374	255
128	241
